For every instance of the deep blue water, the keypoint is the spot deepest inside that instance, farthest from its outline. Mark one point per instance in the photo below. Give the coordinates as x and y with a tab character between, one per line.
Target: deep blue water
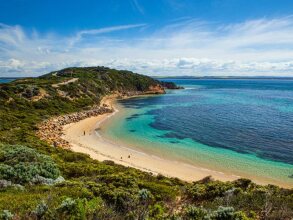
5	80
246	116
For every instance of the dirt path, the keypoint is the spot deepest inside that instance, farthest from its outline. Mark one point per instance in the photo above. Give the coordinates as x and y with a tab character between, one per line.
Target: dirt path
64	83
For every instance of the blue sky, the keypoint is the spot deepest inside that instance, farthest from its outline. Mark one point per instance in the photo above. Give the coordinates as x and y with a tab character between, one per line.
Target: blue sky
154	37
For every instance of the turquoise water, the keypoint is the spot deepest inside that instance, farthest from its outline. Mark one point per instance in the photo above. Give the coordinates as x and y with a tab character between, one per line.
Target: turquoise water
239	127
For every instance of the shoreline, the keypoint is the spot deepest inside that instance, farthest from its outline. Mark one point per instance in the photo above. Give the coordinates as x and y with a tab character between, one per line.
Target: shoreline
100	148
97	147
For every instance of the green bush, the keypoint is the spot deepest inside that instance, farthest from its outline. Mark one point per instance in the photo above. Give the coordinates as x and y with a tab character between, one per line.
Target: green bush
68	206
144	195
192	212
157	211
6	215
41	209
227	213
223	213
20	164
199	191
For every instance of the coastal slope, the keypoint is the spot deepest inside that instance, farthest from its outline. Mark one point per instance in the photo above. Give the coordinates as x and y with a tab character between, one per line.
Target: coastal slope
41	179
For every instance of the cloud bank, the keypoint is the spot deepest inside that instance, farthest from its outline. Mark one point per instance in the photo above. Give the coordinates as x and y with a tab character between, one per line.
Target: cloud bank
183	47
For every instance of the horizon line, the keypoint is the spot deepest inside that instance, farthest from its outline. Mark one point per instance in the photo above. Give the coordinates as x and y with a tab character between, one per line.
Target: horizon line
182	77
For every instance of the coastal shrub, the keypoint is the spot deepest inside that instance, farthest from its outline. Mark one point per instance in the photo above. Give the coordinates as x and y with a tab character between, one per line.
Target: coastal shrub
199	191
20	164
242	216
145	205
75	189
68	205
157	211
160	191
90	208
73	157
41	209
144	195
79	208
243	183
122	199
29	92
226	213
196	213
6	215
223	213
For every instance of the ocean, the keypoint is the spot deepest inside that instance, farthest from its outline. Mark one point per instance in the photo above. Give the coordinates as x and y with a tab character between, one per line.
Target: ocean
241	127
5	80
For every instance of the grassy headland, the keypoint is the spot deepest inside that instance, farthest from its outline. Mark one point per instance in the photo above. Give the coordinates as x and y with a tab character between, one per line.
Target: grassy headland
39	181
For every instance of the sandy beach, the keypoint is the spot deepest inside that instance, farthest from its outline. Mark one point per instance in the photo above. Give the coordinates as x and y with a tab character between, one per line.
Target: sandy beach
84	137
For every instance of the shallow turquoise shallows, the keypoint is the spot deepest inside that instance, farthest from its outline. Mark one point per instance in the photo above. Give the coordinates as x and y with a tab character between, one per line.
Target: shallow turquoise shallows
239	127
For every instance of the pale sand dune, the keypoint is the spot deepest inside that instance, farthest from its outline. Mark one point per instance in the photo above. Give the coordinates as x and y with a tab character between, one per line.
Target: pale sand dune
101	149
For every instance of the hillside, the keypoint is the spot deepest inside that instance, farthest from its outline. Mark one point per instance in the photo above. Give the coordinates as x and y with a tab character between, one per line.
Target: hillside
39	181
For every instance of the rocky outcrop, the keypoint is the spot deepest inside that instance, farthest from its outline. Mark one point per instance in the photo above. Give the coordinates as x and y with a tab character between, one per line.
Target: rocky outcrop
51	130
170	85
157	89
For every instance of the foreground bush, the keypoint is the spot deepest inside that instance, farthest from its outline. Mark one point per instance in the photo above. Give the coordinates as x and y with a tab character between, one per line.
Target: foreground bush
20	164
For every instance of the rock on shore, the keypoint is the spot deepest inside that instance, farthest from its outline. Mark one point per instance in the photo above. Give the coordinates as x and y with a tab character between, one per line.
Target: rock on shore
51	129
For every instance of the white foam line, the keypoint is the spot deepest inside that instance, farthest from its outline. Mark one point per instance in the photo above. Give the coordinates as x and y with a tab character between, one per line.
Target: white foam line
98	124
164	159
119	146
106	118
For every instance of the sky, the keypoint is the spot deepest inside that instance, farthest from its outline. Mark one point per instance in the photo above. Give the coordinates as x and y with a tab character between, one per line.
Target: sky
152	37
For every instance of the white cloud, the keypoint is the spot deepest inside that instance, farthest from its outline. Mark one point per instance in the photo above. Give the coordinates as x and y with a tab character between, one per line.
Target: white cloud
83	33
137	6
184	47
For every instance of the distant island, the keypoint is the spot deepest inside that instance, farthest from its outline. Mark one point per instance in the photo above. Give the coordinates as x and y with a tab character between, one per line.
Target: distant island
42	176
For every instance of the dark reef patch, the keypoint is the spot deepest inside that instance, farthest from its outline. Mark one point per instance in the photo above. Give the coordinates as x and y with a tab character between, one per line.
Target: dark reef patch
133	116
174	142
239	129
246	116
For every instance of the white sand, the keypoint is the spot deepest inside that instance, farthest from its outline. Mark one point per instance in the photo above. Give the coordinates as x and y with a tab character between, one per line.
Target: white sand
101	149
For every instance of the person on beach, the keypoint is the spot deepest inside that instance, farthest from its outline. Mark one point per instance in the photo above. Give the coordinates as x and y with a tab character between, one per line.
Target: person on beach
84	133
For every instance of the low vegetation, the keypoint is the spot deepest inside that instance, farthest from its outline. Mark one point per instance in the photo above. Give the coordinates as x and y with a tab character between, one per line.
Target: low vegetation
39	181
21	165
